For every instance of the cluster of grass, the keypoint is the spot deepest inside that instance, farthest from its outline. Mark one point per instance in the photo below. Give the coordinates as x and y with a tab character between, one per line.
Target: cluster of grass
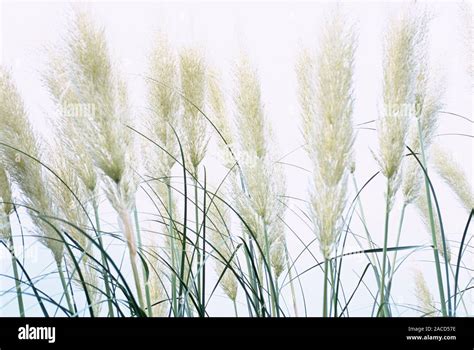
208	235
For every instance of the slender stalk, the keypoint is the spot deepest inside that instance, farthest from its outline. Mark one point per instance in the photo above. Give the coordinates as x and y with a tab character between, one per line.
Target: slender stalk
433	229
384	255
104	260
400	225
235	308
65	288
203	266
257	276
253	281
198	252
16	275
394	259
174	262
147	285
292	286
333	299
375	267
248	237
276	292
364	222
132	250
268	272
182	299
325	289
461	299
436	257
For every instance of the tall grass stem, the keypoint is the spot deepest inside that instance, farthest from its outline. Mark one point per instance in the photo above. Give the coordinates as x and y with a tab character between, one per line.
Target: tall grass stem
382	305
16	275
65	288
145	277
433	229
103	258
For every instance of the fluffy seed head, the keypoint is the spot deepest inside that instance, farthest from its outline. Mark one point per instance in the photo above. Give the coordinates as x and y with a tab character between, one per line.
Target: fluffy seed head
423	295
453	174
72	122
106	134
157	294
278	248
326	100
193	85
256	163
5	228
399	75
156	278
5	193
250	118
6	207
70	210
261	201
422	205
219	117
164	104
27	173
427	107
305	72
222	242
66	200
258	204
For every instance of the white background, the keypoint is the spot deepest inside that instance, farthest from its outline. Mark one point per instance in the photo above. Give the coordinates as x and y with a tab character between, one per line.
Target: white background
272	34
